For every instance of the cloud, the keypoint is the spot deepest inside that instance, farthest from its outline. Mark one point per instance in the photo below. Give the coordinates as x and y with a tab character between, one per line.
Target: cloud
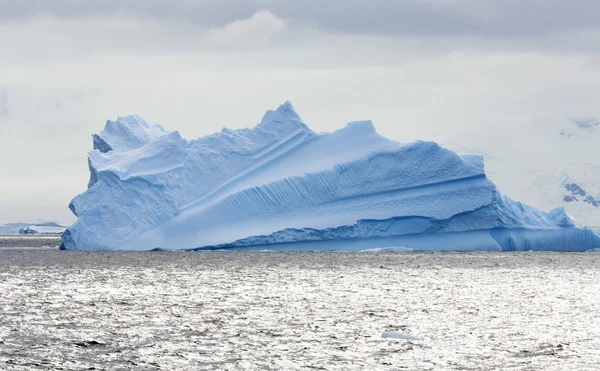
202	12
257	30
459	18
66	27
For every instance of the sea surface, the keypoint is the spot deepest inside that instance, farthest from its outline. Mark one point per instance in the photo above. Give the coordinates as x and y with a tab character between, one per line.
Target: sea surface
220	310
12	241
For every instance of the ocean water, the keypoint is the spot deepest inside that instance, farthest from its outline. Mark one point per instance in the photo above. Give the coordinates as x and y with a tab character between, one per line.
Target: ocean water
29	241
222	310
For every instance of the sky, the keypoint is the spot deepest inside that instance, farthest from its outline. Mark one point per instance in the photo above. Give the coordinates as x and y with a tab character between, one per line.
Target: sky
482	76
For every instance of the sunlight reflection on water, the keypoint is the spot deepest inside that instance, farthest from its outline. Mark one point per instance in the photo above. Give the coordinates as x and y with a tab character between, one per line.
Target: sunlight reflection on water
287	310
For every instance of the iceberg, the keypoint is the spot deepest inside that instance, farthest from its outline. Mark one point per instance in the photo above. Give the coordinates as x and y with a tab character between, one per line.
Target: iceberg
49	228
29	228
282	186
12	228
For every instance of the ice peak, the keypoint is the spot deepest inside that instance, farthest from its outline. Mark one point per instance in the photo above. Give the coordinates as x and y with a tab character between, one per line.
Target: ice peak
127	133
358	128
287	105
365	125
284	112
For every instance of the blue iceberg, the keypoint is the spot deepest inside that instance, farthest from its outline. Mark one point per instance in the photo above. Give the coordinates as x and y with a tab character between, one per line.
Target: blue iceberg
280	185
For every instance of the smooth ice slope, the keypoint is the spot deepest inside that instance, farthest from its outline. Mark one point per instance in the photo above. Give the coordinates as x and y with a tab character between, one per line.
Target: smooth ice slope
280	185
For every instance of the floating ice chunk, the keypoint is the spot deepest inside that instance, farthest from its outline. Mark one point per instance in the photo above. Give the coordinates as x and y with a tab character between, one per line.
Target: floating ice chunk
389	249
397	335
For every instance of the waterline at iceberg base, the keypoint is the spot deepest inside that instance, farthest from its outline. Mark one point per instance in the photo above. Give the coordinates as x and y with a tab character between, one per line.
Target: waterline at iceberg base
282	186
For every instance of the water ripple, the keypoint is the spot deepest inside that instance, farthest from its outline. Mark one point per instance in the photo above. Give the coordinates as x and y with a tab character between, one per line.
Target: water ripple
298	311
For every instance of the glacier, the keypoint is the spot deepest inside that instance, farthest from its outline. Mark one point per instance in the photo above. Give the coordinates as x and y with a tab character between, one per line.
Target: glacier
282	186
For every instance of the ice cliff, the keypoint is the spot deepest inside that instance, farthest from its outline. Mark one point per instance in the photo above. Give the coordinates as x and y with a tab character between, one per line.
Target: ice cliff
280	185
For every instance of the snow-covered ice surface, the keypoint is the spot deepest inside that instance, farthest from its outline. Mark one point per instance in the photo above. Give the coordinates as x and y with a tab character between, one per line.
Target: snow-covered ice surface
282	186
74	310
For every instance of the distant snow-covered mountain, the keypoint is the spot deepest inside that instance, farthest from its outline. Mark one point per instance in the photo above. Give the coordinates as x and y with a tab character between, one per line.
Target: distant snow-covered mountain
550	165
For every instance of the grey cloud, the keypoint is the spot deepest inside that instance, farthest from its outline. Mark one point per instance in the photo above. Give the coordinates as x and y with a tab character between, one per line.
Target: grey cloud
491	18
208	13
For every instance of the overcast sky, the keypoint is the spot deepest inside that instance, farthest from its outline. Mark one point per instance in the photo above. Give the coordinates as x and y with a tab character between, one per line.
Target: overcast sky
470	74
